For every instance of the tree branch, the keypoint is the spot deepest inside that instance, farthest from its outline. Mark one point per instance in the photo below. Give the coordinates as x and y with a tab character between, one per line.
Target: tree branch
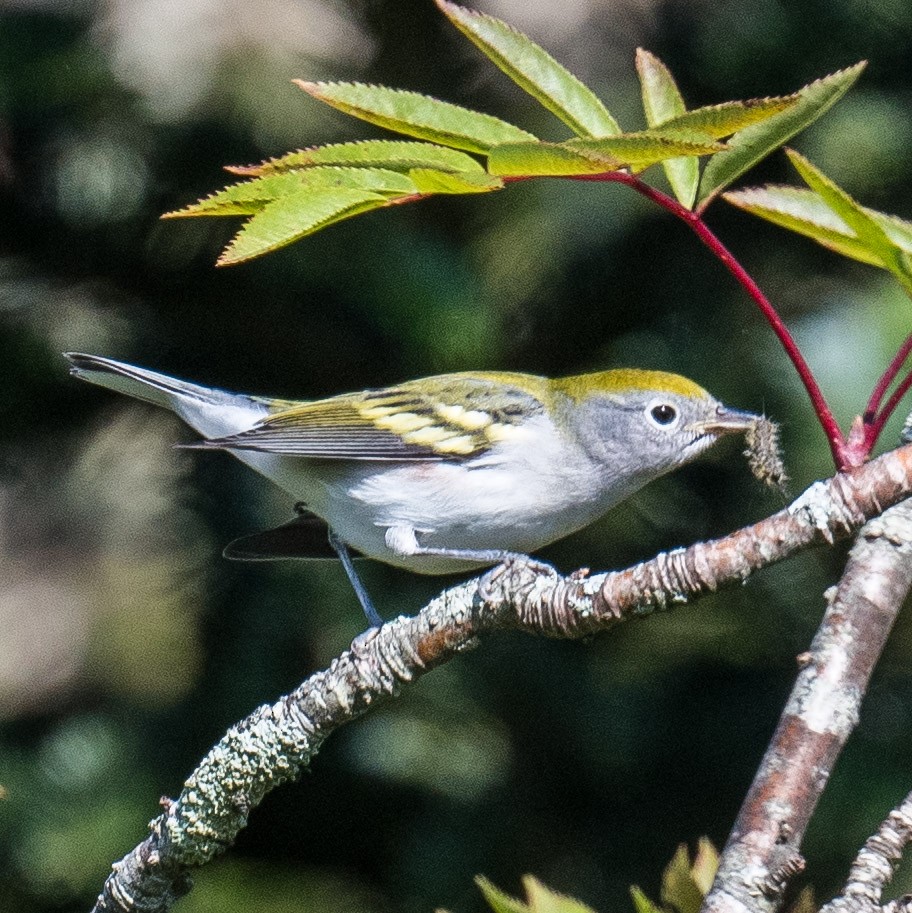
762	852
275	743
874	866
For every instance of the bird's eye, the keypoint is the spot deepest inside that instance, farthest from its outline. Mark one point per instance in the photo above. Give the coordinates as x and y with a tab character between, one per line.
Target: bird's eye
662	414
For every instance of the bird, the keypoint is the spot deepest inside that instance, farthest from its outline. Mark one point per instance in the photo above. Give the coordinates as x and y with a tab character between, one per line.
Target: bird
447	473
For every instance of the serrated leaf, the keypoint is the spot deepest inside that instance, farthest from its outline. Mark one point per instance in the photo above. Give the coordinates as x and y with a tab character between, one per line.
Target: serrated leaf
397	155
750	145
641	903
292	217
678	888
705	865
898	230
662	101
250	197
430	180
866	228
731	116
243	199
417	115
547	160
535	71
378	180
802	211
593	156
647	147
544	900
497	900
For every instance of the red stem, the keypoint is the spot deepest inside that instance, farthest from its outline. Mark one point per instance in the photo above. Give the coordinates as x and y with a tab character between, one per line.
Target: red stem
875	426
887	378
842	456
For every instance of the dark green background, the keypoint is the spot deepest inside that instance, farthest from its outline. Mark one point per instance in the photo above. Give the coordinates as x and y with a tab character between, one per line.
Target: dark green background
127	646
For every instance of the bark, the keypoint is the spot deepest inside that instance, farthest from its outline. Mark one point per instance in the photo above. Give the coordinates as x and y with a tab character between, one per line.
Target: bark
762	853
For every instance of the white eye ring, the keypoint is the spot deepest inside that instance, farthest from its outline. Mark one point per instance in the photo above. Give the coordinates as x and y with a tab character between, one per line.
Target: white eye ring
663	415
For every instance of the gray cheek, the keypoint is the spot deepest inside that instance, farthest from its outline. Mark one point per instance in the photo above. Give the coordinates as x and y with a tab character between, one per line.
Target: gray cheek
612	436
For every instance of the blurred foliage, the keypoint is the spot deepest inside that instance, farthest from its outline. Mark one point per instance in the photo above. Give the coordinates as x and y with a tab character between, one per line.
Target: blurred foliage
539	899
128	645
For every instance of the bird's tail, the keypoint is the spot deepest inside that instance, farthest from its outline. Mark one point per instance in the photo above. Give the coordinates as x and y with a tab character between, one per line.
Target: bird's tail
211	412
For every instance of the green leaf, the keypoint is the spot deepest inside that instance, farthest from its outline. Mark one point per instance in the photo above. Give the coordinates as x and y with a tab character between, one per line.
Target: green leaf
705	865
593	156
547	160
242	199
535	71
662	101
866	228
731	116
749	146
641	903
294	216
803	211
539	899
397	155
431	180
678	888
646	147
250	197
898	230
417	115
497	900
544	900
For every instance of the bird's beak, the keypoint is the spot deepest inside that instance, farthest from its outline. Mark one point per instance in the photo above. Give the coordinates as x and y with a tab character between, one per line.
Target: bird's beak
726	421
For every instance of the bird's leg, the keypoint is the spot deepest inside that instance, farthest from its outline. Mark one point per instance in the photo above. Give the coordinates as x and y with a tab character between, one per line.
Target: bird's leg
341	549
403	541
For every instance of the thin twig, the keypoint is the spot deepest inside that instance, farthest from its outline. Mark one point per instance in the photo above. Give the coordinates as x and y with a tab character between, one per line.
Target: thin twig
275	743
763	850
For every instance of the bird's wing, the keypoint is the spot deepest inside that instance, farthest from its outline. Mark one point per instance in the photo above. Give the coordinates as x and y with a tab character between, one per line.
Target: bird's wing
450	417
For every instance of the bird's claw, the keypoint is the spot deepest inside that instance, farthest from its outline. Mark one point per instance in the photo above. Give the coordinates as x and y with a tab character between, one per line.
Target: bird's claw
513	566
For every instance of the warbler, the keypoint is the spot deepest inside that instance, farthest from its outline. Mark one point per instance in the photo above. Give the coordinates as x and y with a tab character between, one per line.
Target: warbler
446	473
